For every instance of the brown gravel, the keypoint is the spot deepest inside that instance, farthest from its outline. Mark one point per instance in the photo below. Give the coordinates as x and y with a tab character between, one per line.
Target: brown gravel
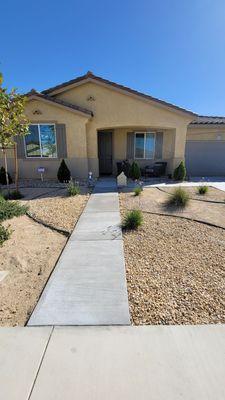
175	271
154	200
61	212
29	256
213	194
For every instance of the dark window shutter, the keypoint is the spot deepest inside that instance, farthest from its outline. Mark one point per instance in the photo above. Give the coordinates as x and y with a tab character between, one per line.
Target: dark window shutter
20	141
158	145
61	140
130	145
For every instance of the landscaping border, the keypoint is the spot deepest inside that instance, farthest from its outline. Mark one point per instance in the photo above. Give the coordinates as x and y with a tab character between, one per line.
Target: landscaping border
39	221
187	218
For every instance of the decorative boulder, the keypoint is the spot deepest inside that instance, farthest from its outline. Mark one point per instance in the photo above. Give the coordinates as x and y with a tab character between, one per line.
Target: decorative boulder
121	180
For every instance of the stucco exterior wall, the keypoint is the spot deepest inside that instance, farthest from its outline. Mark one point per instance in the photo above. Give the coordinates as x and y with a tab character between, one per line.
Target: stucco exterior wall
206	132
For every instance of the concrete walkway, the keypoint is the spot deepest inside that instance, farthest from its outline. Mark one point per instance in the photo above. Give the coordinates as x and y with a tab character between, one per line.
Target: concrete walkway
88	285
99	363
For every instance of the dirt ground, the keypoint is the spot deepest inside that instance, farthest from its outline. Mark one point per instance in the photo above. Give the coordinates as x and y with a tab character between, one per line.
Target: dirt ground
31	253
29	257
154	200
175	267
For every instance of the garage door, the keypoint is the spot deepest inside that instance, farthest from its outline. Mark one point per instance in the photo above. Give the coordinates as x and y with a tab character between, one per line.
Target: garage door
204	158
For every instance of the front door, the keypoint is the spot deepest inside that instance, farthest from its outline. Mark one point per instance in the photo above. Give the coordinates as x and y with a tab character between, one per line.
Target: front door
105	152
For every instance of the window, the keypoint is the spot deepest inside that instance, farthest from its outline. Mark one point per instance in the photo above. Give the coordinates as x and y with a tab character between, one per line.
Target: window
144	145
41	141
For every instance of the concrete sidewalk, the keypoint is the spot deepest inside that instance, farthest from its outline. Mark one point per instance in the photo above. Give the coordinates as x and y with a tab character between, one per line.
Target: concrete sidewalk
88	285
99	363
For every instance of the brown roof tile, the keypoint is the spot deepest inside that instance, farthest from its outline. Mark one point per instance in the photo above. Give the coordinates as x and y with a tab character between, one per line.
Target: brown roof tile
208	120
59	101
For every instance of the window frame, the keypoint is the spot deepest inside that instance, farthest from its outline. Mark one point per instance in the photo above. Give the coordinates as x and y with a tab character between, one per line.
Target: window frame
145	135
39	135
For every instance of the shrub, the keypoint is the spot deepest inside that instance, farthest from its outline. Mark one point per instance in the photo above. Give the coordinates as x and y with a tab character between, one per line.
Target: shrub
3	177
137	191
179	172
72	189
203	189
63	173
5	234
135	171
179	198
133	219
10	209
14	195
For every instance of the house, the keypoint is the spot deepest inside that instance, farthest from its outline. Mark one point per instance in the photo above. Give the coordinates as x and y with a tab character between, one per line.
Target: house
93	123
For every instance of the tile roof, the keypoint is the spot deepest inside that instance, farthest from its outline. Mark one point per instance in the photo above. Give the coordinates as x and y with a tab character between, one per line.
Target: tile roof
91	76
208	120
59	101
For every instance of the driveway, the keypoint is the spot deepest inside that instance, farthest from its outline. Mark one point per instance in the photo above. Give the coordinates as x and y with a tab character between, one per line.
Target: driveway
217	182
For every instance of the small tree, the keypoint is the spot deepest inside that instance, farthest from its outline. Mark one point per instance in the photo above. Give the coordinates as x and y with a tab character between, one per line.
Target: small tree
63	174
3	177
135	171
13	122
180	172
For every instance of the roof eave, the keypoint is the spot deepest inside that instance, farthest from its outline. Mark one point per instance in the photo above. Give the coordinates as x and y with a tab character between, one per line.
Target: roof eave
40	97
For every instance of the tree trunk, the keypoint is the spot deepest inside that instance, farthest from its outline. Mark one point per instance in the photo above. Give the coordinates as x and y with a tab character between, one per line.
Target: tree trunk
16	167
6	169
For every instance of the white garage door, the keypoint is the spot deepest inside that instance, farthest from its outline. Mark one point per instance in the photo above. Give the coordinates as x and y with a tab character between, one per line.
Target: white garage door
205	158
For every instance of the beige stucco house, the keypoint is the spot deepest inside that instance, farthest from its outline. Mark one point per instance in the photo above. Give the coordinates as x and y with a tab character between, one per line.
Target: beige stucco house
93	123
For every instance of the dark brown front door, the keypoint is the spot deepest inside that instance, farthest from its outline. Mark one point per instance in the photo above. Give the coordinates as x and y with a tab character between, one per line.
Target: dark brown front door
105	152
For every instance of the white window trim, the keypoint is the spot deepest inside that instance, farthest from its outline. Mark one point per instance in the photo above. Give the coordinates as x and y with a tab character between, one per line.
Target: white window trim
39	134
144	158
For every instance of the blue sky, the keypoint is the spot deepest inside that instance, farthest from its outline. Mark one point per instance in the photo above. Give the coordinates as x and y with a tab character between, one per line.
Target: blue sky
171	49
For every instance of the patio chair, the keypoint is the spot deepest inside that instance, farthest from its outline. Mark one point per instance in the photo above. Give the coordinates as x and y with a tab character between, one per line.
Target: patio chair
156	170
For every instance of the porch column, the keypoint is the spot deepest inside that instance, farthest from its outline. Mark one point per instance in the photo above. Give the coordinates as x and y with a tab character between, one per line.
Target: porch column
178	148
92	149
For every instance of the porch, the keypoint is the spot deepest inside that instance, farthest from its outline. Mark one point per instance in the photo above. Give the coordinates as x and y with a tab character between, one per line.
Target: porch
143	144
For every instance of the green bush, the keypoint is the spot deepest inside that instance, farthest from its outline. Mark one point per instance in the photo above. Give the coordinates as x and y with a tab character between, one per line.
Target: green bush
73	189
10	209
5	234
137	191
179	198
63	173
203	189
180	172
133	219
3	177
14	195
135	171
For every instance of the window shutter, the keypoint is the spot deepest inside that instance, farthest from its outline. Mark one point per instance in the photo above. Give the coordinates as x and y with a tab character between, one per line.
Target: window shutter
20	141
130	145
158	145
61	141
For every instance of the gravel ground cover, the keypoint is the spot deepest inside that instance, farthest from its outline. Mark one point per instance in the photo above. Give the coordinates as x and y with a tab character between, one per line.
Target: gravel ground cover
57	209
29	257
154	200
175	270
213	194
